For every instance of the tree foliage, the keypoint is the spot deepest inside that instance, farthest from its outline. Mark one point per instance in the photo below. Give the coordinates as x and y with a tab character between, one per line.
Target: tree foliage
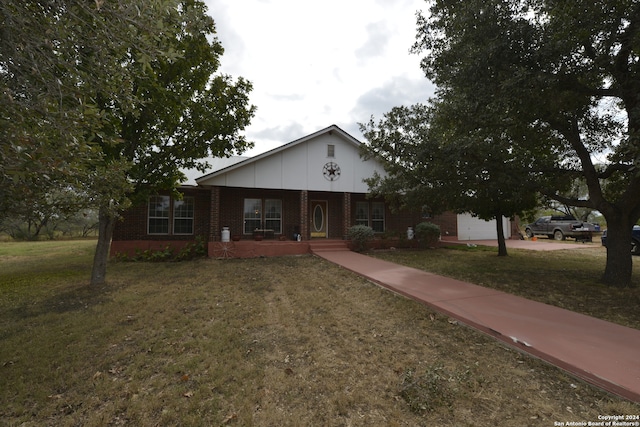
46	110
111	99
561	81
435	160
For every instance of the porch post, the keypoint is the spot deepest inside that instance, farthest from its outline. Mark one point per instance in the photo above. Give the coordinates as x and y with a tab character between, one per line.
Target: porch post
304	214
214	211
346	219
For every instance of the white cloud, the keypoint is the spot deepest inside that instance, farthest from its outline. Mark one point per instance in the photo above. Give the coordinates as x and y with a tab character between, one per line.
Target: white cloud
277	135
379	36
397	91
313	64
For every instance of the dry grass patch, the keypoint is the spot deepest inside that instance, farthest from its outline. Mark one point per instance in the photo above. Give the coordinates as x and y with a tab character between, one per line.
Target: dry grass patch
283	341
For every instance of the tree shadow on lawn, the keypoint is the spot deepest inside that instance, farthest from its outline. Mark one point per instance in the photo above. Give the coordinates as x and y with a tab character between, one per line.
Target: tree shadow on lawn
80	297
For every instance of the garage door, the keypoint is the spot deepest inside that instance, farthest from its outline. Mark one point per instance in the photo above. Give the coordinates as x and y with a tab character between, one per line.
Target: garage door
472	228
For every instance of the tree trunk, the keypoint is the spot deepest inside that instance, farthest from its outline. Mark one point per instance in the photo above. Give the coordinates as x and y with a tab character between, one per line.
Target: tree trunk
502	245
619	262
105	232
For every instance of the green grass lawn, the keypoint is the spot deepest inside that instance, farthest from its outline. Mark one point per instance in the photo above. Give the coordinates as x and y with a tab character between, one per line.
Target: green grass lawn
564	278
29	268
285	341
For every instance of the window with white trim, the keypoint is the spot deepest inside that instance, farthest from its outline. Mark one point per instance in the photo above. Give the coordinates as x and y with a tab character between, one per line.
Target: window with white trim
273	215
252	215
183	216
362	213
159	215
371	215
262	214
169	216
377	217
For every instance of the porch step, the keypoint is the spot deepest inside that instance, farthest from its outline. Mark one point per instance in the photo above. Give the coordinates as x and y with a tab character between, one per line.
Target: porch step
328	245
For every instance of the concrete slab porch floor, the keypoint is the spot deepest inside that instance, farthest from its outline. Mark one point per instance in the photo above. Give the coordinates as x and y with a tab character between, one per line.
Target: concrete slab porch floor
599	352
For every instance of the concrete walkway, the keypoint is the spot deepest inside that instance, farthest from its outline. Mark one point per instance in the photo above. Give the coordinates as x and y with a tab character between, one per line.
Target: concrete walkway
601	353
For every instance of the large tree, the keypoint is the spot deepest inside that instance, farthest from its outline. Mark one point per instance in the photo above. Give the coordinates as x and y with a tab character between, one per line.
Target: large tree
125	95
47	113
433	159
567	71
183	113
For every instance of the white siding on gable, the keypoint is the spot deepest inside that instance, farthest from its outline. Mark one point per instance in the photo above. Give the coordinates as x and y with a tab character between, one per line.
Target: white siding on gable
268	172
235	179
364	169
300	167
294	168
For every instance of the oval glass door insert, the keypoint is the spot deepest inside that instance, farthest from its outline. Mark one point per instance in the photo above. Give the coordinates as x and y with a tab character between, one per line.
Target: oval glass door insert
318	218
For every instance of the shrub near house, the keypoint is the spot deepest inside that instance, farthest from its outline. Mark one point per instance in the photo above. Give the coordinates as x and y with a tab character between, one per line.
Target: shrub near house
360	236
427	234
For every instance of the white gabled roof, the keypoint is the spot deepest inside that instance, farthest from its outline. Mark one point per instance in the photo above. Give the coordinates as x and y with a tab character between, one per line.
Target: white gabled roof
247	161
216	163
328	160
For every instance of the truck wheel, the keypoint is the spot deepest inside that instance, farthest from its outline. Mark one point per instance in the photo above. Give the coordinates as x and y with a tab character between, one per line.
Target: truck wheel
557	235
528	232
635	248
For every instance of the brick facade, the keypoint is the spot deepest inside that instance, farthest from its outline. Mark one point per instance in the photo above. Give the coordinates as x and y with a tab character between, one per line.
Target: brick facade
304	214
218	207
396	223
231	210
133	223
448	222
346	217
214	217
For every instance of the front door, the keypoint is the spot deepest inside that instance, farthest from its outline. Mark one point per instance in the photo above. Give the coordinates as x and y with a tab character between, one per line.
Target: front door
319	219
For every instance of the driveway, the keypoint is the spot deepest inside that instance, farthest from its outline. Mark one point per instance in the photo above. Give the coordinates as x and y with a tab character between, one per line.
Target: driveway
537	245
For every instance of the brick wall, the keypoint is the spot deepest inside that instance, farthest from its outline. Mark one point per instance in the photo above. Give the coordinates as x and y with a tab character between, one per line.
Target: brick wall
133	224
448	222
231	209
218	207
398	222
214	217
346	218
303	214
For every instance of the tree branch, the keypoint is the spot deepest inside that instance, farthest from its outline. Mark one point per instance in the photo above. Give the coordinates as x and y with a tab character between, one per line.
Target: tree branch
570	201
613	168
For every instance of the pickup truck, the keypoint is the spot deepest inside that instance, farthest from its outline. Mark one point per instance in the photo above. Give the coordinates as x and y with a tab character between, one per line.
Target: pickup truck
561	227
635	240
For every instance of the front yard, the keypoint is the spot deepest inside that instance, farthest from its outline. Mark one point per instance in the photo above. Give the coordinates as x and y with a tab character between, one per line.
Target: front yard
269	341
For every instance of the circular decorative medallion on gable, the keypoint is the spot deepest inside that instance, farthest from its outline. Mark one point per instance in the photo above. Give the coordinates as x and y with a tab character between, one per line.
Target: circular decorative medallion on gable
331	171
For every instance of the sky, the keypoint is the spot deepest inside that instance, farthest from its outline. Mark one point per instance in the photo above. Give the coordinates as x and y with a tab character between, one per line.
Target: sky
318	63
